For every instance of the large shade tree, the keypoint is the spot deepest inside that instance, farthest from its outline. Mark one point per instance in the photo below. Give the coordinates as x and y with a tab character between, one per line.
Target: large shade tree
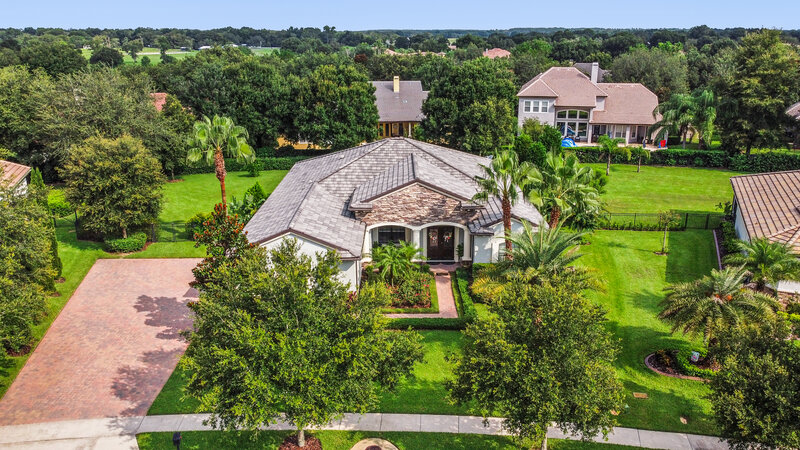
506	179
714	302
544	357
213	140
277	336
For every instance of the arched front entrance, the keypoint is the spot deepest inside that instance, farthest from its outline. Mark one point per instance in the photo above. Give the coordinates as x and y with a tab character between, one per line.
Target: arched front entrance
441	243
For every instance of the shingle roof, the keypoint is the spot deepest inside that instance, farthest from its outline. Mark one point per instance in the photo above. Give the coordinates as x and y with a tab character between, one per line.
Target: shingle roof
769	205
314	198
11	174
403	106
794	111
568	84
626	104
586	68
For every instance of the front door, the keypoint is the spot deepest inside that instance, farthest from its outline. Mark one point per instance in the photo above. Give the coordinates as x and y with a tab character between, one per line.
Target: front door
441	243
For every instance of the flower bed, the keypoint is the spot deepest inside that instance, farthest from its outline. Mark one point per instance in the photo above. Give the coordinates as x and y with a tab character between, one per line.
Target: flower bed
678	364
414	291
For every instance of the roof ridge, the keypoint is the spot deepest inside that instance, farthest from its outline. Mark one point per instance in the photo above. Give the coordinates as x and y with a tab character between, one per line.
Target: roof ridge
414	143
783	230
794	237
377	146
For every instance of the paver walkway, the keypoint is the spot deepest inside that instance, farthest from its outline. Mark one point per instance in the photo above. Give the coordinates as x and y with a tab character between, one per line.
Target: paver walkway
444	291
112	347
117	433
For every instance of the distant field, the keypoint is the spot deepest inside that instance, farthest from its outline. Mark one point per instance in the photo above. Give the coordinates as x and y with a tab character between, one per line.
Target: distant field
155	54
657	189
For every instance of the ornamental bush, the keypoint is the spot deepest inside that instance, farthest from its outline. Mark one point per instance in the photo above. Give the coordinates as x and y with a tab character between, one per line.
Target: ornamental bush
132	243
688	368
195	224
468	310
414	290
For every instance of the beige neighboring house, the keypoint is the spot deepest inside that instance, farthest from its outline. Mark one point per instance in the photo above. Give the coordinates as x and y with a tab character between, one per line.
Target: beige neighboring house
14	176
765	205
395	189
493	53
583	108
794	112
399	106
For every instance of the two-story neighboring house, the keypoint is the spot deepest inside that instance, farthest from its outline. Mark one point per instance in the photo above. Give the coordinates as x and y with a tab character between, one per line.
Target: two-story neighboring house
583	109
399	106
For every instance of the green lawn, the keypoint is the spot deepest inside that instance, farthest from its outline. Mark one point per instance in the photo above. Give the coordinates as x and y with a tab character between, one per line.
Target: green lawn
634	281
344	440
657	189
182	200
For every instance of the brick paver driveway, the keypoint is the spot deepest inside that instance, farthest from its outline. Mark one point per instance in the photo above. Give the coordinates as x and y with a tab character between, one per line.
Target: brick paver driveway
111	349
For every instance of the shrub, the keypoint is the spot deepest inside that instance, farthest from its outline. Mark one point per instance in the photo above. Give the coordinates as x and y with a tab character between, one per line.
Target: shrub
698	162
132	243
792	318
195	224
20	308
766	162
468	311
688	368
58	204
729	238
253	168
414	290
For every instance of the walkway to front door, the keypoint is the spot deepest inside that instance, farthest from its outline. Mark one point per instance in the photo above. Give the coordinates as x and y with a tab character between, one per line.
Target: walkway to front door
441	244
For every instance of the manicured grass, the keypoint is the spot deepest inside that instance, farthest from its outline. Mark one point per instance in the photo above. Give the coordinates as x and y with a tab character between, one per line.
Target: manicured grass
422	392
344	440
657	189
635	278
200	192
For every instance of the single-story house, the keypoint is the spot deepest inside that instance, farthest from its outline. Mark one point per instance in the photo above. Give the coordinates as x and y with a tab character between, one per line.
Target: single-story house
14	176
395	189
584	108
493	53
399	106
765	205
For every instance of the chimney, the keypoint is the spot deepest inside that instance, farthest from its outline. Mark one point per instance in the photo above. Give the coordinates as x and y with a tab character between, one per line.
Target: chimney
396	88
595	72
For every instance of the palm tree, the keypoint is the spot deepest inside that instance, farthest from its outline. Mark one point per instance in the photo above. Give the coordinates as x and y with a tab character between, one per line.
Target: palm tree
394	262
564	187
714	301
538	255
768	262
640	153
215	138
611	147
676	113
507	179
705	113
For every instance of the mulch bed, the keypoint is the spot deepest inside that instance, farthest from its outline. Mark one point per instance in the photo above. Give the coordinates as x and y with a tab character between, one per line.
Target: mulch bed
290	443
24	350
655	363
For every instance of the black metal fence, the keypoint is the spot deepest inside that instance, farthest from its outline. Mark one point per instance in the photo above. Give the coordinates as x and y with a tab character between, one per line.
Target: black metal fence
685	220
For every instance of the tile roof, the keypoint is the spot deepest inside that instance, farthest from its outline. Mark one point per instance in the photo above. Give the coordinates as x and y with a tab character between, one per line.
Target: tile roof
159	100
626	104
794	111
314	199
11	174
769	205
568	84
403	106
493	53
586	68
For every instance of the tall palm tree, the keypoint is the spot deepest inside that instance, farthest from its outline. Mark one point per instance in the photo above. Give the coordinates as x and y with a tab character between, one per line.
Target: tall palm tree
768	262
564	187
538	255
507	179
610	147
214	139
676	113
714	301
705	113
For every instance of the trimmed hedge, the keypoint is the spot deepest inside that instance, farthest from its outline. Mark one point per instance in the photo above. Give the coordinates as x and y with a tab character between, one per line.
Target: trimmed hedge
468	310
686	366
765	162
729	238
132	243
266	163
464	305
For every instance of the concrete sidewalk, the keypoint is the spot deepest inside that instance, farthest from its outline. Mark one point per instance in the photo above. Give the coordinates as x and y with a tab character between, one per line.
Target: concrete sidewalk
120	432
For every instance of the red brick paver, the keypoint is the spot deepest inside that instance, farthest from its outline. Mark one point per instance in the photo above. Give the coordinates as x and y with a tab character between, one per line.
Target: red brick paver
111	349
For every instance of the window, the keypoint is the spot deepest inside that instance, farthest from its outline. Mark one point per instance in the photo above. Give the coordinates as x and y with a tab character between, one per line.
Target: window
569	114
391	235
561	114
572	114
535	106
545	106
583	115
526	106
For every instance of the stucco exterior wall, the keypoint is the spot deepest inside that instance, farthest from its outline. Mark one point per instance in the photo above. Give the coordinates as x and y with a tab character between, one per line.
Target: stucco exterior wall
548	117
741	230
416	205
486	249
350	272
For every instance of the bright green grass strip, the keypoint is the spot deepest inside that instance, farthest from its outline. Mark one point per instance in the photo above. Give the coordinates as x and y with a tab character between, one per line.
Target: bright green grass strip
344	440
635	278
657	189
200	192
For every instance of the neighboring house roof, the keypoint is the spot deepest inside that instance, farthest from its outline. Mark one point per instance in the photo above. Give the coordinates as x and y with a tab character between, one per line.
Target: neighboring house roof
403	106
769	206
493	53
159	100
627	103
794	111
586	68
12	174
568	84
315	198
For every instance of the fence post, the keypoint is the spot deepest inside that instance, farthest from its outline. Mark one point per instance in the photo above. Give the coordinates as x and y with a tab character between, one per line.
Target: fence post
708	216
685	220
174	235
76	222
634	219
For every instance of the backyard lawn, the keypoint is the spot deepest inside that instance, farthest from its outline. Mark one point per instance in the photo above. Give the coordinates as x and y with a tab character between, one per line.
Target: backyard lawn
182	200
344	440
657	189
634	279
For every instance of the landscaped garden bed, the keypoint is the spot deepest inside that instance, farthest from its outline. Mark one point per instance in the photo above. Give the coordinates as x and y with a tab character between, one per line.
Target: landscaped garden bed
681	364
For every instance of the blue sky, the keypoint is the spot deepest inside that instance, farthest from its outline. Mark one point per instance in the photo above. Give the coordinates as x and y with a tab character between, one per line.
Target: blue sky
401	14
